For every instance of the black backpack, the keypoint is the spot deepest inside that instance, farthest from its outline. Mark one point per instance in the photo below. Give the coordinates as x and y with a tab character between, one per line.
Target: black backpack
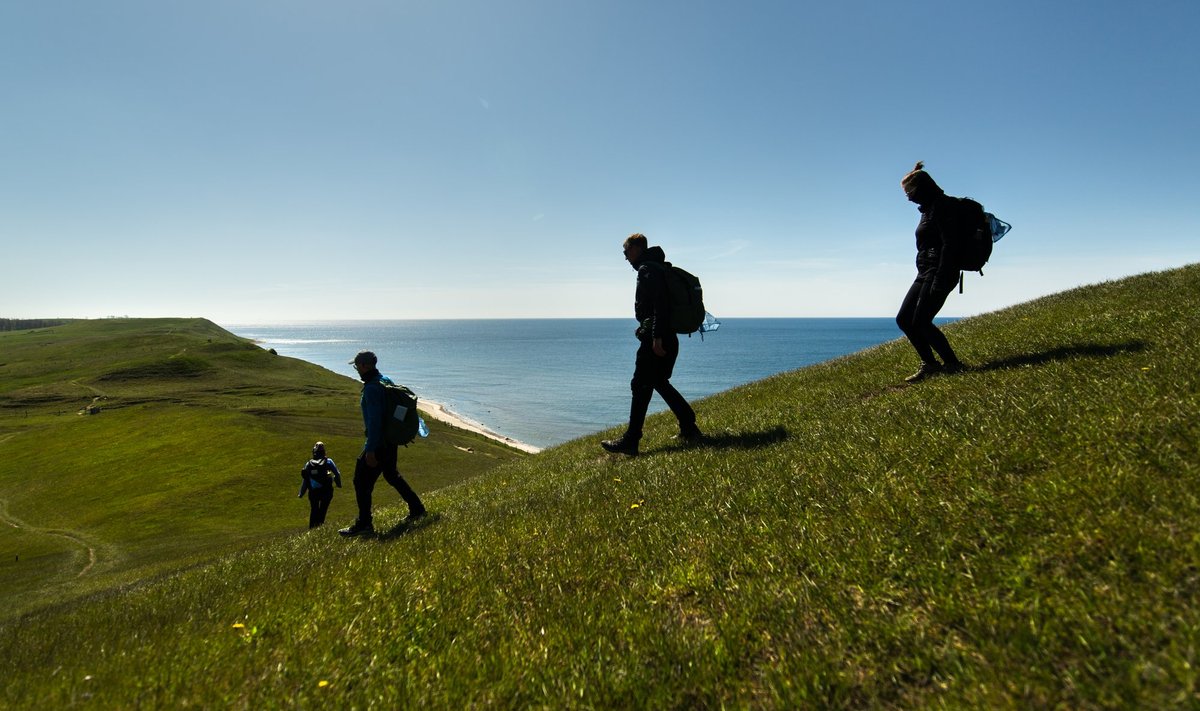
969	234
400	417
686	297
319	470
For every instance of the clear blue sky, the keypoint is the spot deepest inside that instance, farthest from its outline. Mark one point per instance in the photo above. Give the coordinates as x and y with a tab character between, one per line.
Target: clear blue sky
278	160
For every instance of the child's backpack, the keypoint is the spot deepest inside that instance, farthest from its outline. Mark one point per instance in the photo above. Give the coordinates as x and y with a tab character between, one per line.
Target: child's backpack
687	299
318	472
974	231
401	421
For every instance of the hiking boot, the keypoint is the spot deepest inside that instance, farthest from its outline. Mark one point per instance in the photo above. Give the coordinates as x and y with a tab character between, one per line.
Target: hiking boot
690	436
621	446
358	529
925	371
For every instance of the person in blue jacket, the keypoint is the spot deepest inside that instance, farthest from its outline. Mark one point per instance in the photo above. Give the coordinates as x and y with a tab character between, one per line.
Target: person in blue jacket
317	478
378	457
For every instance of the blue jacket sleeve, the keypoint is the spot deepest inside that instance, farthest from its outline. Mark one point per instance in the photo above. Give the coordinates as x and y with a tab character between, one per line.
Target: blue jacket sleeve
372	409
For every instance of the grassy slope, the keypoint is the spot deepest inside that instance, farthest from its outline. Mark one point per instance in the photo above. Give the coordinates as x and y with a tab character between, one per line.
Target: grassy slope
1024	534
196	450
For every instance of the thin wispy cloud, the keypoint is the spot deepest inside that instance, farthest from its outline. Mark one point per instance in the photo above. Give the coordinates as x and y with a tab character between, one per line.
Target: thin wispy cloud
731	249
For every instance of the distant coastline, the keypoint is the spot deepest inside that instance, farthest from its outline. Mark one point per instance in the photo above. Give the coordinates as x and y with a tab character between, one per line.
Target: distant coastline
441	413
538	383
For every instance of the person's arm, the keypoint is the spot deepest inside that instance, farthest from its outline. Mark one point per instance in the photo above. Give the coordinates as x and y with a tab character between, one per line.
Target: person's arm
337	475
661	308
303	483
946	220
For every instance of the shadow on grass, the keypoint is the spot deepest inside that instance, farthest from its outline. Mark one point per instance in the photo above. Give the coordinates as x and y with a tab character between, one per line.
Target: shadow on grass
405	526
1083	350
734	440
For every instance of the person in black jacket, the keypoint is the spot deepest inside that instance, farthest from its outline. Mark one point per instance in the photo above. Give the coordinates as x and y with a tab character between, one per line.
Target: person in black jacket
657	350
937	275
317	478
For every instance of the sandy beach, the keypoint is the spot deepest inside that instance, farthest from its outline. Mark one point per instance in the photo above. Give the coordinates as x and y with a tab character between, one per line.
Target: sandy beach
438	411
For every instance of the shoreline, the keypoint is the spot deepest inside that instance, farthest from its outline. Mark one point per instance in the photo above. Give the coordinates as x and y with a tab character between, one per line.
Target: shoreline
441	413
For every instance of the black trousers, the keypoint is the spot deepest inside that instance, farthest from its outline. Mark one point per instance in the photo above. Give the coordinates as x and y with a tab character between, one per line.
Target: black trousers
366	476
318	504
922	303
651	374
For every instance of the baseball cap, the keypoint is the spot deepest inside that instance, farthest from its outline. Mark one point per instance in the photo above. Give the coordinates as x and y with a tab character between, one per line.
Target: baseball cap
364	357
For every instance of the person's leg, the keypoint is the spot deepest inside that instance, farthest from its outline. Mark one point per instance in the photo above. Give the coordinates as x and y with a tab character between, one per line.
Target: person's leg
392	475
364	483
908	319
679	406
320	503
641	388
314	509
639	404
930	304
664	368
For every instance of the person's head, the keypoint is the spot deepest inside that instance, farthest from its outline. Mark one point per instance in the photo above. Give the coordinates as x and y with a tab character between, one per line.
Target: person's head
919	186
364	363
319	450
634	247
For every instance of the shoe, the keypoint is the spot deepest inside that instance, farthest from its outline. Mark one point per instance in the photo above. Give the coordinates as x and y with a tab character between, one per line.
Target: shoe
954	366
692	436
414	516
358	529
621	446
926	370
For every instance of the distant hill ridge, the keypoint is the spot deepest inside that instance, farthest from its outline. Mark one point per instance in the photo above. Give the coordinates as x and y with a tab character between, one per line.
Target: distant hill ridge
21	324
1025	534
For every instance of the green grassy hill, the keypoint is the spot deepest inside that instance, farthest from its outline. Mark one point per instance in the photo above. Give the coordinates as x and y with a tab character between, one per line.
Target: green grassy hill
193	447
1025	534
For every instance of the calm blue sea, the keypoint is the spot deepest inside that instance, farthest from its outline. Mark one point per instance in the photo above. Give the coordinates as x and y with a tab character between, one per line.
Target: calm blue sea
547	381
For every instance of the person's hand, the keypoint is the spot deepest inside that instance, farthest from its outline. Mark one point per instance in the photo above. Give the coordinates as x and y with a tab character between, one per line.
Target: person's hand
370	459
658	348
300	495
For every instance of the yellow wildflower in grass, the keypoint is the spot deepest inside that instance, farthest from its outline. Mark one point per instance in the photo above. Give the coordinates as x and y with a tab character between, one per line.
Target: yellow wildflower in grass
239	626
322	684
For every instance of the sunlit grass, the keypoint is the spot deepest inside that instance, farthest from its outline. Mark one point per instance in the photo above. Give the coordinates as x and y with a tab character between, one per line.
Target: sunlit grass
1026	534
195	449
